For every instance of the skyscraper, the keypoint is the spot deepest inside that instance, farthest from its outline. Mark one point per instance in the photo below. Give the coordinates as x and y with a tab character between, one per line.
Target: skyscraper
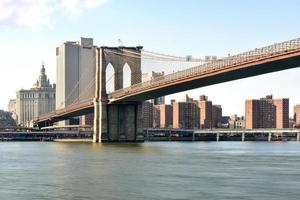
267	113
282	113
179	114
156	116
205	112
75	72
186	114
297	115
216	116
38	100
164	117
147	113
252	114
12	108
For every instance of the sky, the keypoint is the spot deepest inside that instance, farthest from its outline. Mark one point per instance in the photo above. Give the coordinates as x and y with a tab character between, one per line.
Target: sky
30	30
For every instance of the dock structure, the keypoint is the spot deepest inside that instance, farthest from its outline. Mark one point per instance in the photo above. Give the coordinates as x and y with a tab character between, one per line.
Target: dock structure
268	135
243	135
44	135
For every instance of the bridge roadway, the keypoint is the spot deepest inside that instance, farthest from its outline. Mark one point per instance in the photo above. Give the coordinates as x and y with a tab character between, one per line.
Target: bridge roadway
264	60
73	110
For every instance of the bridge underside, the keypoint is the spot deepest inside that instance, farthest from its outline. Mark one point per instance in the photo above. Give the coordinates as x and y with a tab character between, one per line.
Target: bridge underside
218	76
66	116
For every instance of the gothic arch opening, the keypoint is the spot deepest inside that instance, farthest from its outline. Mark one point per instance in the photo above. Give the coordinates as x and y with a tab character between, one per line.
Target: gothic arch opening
110	78
126	76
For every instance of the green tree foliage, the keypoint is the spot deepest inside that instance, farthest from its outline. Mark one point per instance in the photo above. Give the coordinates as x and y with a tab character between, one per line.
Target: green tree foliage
6	119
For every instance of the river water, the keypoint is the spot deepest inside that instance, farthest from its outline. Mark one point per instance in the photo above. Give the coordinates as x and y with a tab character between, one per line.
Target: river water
152	170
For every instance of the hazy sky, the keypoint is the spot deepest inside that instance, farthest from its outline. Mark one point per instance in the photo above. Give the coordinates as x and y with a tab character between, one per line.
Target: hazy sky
31	29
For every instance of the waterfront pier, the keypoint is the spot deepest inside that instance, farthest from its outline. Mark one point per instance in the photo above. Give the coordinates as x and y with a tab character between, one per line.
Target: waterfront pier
267	135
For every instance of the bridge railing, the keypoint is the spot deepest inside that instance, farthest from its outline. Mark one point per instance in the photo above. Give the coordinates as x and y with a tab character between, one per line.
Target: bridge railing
230	61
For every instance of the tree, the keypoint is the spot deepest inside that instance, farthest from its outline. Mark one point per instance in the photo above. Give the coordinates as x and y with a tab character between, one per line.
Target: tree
6	119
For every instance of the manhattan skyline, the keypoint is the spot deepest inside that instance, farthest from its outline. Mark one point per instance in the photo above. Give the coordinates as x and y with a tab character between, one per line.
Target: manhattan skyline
192	28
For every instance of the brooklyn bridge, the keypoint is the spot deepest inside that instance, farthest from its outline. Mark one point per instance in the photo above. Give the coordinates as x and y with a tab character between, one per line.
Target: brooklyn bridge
118	113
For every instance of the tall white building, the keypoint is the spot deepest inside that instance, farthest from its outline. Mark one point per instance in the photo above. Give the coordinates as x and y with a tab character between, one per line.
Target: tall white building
38	100
75	72
12	108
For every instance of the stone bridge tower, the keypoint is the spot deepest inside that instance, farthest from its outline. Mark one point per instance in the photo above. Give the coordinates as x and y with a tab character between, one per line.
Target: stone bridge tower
114	122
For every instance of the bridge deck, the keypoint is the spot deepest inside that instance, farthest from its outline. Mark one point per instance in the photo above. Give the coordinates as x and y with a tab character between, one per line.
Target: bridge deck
259	61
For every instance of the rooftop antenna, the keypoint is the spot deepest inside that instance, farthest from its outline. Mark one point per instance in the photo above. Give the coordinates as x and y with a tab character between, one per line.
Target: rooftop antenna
120	43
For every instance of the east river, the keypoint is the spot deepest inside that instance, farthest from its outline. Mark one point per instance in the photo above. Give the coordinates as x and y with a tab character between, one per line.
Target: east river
151	170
